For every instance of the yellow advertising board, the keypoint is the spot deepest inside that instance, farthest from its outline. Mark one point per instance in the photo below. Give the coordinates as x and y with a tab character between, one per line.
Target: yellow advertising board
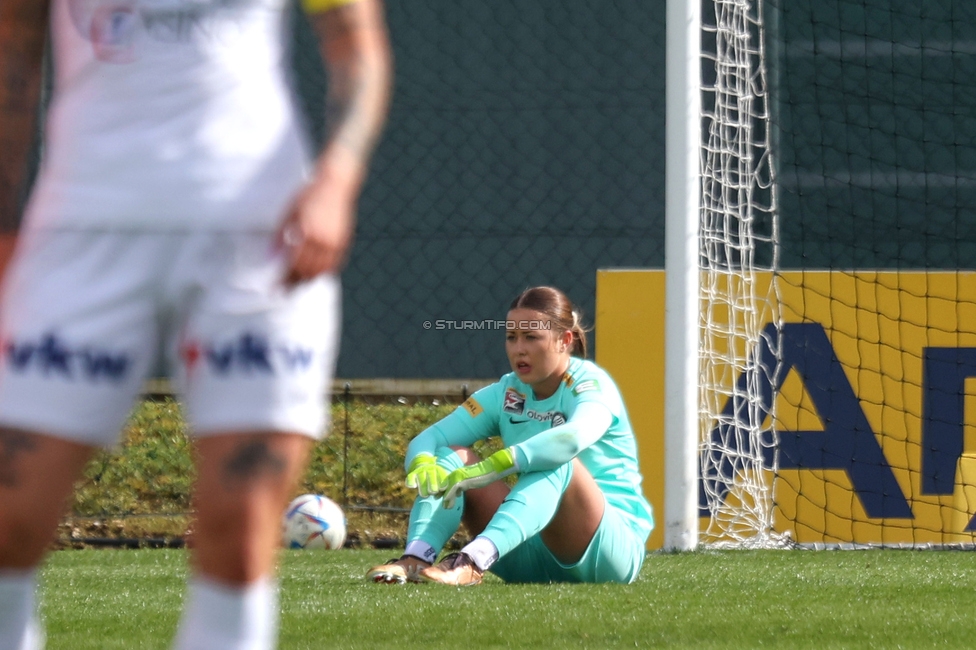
873	405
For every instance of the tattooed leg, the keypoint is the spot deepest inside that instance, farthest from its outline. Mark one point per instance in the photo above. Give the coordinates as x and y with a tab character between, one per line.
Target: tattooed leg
37	474
252	461
14	445
244	483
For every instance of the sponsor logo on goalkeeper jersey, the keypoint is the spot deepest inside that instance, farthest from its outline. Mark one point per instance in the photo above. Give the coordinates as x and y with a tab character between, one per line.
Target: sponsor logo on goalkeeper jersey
249	353
472	406
583	386
52	356
514	402
554	417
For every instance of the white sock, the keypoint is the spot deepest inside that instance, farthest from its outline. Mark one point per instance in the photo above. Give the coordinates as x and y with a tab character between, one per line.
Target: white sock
222	617
420	549
19	626
483	551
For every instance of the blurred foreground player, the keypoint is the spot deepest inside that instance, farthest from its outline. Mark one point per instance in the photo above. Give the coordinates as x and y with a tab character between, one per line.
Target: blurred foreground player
179	209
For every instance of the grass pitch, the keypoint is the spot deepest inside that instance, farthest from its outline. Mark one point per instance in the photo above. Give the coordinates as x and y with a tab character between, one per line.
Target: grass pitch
99	599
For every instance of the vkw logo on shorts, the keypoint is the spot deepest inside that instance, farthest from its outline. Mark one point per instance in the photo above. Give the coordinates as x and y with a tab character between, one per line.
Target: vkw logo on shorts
50	355
249	353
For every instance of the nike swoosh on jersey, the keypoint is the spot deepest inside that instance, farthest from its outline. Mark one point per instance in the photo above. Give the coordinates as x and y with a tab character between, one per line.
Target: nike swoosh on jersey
514	421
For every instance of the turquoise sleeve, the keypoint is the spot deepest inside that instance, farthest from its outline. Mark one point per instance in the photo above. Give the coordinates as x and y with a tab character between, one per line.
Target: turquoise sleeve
559	445
474	420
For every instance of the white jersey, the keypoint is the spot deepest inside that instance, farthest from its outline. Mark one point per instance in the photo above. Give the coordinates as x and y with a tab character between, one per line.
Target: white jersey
172	115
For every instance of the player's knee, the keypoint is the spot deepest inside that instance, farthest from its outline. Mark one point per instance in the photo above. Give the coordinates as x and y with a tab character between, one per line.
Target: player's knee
467	455
451	458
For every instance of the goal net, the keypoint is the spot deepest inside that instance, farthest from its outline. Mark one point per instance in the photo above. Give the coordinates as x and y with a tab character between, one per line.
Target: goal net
738	355
838	302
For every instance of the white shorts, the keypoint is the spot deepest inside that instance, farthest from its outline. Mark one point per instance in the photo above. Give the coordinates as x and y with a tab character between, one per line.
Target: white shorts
87	316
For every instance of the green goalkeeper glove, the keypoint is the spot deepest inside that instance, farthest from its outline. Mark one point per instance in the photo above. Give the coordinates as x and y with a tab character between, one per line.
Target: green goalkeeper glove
426	476
499	465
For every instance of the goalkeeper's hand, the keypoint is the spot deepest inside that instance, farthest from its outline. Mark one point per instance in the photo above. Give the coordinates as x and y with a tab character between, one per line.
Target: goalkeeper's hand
426	476
499	465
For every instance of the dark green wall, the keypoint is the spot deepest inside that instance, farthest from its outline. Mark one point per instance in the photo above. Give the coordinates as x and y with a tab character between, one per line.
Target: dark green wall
876	117
525	146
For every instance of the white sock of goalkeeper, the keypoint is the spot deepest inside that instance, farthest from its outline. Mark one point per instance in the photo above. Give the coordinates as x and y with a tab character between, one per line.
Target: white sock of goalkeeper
19	626
421	549
483	551
223	617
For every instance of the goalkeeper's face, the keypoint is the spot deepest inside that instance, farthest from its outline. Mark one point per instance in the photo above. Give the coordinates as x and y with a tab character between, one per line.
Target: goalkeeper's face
537	351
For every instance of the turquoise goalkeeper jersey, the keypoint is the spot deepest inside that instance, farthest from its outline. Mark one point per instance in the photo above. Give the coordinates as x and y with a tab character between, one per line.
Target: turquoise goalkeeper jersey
544	434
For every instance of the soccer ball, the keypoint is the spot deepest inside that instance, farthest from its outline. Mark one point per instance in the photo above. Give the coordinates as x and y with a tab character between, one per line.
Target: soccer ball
314	521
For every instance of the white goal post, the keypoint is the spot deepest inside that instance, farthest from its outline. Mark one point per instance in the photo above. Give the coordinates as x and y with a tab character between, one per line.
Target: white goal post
720	440
682	192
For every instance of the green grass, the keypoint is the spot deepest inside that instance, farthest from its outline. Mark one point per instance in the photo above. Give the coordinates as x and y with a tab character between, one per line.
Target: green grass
748	599
102	599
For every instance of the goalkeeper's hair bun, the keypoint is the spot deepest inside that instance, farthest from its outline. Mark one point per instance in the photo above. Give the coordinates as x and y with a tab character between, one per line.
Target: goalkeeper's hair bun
562	313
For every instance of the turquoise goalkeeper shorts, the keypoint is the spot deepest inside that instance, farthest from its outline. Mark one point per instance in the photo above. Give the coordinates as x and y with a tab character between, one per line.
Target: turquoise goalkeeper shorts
615	554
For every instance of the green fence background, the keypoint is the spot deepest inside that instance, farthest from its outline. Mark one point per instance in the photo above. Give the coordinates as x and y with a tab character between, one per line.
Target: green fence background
525	146
875	112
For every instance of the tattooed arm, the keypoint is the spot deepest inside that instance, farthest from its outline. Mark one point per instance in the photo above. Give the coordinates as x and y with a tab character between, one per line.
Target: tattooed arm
23	28
356	49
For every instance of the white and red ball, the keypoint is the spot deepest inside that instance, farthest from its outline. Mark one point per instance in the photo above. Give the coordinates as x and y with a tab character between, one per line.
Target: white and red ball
314	521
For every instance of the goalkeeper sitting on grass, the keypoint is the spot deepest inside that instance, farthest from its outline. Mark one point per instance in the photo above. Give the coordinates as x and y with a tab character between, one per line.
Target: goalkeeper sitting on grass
575	512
